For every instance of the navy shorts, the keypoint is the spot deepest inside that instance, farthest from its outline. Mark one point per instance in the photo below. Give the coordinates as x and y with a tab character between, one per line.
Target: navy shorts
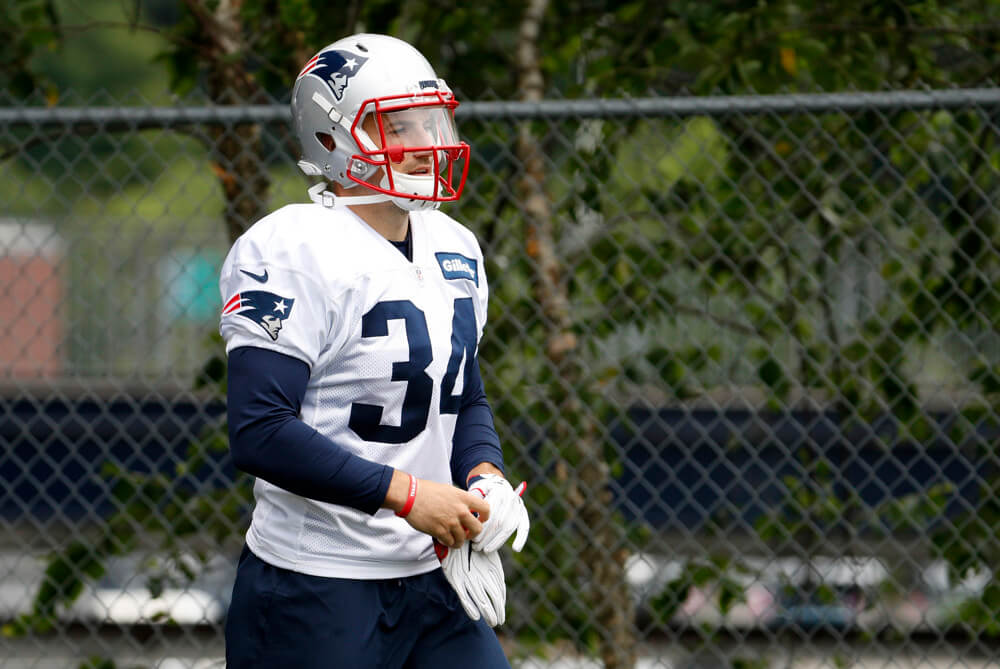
283	619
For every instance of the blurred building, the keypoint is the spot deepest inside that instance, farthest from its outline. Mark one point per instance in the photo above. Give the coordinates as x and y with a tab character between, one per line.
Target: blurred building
31	300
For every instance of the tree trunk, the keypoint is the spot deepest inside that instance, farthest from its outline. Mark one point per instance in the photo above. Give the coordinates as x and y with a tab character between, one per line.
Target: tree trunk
235	150
598	535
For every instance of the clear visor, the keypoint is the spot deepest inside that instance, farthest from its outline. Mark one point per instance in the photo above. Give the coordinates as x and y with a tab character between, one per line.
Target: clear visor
422	127
418	127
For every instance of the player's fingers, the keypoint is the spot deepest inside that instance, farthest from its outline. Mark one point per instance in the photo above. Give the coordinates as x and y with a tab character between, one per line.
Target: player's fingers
472	525
455	530
457	536
479	506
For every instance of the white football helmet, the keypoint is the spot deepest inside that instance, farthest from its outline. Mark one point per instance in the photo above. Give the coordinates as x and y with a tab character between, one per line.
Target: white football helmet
367	85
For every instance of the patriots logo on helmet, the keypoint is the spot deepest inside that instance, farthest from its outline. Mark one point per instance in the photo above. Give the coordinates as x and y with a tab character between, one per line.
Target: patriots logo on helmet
267	310
336	68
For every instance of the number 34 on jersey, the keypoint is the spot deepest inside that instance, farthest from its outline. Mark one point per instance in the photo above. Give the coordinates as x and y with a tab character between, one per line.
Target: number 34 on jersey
412	373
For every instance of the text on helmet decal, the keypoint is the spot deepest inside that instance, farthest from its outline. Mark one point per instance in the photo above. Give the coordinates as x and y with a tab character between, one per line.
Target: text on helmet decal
457	266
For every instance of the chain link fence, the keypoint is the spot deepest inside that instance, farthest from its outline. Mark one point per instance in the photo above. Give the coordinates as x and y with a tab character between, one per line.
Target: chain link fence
746	353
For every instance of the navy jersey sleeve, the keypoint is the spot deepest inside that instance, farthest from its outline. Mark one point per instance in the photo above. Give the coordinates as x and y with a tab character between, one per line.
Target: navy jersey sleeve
476	439
269	440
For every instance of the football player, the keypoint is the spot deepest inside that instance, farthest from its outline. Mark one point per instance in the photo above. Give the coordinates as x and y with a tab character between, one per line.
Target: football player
352	325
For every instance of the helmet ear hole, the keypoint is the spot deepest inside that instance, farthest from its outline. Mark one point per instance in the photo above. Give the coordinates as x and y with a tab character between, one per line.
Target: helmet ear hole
326	140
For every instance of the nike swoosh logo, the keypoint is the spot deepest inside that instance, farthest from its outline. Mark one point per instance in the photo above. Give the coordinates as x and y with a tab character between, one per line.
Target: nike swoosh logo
256	277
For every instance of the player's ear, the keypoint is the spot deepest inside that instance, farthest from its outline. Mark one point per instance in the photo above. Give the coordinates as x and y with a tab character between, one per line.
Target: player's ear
326	140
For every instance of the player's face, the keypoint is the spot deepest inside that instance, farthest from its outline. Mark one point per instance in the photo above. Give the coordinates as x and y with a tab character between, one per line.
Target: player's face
417	130
410	127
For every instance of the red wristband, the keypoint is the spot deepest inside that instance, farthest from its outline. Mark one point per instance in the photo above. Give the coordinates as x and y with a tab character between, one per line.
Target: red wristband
411	497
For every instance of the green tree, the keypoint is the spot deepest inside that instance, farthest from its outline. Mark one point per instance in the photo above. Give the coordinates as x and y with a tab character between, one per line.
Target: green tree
752	224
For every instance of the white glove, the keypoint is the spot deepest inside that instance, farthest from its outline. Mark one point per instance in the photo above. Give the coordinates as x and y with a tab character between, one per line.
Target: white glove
478	580
507	514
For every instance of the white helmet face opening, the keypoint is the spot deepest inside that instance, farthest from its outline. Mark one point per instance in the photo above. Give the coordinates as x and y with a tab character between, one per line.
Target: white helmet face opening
414	138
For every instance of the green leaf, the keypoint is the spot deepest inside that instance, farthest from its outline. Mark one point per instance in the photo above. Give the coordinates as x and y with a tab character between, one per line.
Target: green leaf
772	374
668	602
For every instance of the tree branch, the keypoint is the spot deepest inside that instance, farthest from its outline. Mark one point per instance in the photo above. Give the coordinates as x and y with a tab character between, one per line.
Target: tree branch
210	26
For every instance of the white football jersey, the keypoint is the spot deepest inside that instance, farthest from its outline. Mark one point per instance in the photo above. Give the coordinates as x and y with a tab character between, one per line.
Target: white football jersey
386	340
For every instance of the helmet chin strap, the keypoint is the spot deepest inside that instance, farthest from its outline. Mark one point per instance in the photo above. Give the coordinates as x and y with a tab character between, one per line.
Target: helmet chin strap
320	195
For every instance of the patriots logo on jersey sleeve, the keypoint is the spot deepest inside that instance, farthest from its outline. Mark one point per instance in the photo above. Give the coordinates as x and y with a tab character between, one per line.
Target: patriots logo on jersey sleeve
267	310
336	68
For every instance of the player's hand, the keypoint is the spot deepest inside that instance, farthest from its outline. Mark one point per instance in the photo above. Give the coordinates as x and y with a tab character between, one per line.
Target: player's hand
507	514
446	512
478	580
